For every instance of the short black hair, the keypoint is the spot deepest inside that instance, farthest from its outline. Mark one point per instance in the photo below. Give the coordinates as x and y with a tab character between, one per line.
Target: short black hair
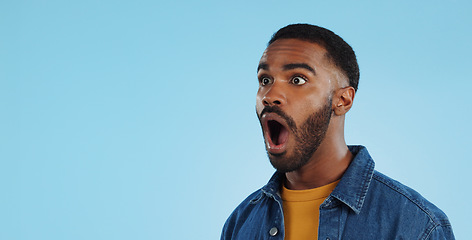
338	50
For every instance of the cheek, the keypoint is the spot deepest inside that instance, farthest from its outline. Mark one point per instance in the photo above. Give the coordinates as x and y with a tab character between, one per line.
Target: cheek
259	105
306	106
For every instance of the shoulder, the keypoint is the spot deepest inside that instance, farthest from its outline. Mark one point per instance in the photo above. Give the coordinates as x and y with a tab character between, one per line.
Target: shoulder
256	214
246	205
408	203
241	214
396	190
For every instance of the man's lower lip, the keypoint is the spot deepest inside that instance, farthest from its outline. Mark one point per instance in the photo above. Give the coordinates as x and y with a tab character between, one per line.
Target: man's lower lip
276	154
276	150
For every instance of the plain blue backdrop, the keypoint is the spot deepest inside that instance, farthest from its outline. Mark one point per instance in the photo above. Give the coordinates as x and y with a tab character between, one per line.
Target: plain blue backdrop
136	119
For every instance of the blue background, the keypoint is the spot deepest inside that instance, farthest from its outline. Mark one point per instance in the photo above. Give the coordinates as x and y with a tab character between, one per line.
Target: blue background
136	120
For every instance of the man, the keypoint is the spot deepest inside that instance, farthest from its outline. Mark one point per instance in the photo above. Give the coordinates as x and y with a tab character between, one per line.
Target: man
322	189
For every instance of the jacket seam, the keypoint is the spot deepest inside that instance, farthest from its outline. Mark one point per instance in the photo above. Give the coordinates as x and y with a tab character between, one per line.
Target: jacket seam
365	187
431	231
396	189
259	195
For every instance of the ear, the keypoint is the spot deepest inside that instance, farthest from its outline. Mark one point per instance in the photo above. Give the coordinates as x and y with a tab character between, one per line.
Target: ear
343	100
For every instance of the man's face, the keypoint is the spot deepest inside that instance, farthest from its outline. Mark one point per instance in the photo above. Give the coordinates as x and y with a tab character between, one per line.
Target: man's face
294	100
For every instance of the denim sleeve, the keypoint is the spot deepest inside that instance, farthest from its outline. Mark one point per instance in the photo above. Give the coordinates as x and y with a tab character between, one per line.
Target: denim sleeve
224	232
442	232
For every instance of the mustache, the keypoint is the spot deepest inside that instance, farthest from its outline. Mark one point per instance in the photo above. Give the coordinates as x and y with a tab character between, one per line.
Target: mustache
277	110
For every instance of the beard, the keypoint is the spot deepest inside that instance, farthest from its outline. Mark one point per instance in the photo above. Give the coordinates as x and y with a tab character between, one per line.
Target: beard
308	138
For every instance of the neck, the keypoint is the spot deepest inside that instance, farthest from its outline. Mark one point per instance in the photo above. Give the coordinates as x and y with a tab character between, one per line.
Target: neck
327	165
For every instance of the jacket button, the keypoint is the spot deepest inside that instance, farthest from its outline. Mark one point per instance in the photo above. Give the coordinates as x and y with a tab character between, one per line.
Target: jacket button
273	231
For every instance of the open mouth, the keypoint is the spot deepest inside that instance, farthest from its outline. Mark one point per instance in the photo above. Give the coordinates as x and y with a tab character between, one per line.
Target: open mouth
276	133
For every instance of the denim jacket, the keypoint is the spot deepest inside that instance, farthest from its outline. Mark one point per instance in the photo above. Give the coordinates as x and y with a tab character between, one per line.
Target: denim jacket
364	205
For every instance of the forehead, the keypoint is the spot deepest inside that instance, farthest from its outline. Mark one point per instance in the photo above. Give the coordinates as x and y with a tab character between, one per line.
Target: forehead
295	50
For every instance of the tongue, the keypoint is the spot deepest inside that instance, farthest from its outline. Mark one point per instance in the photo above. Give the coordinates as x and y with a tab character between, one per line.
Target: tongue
283	135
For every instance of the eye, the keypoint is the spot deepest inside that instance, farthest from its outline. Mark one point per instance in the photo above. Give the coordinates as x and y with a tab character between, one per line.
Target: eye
298	80
265	80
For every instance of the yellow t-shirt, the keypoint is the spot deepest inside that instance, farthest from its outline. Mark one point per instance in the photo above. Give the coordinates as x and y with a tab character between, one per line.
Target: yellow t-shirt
302	210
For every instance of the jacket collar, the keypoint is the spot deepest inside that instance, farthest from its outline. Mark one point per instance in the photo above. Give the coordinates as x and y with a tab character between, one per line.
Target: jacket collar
352	188
272	188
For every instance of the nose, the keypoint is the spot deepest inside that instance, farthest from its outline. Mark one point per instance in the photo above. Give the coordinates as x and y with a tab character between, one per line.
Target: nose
274	97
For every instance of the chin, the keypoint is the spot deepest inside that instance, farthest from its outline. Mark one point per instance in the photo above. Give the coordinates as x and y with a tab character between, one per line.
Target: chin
285	164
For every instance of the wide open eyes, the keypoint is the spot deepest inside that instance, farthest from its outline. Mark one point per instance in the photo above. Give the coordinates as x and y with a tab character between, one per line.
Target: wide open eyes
265	80
297	80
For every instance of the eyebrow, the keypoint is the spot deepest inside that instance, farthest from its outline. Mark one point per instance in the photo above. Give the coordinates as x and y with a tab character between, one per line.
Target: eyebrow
298	65
263	66
286	67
